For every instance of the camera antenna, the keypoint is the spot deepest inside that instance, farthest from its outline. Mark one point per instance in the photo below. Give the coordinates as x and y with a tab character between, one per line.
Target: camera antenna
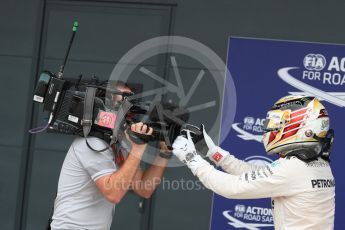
62	67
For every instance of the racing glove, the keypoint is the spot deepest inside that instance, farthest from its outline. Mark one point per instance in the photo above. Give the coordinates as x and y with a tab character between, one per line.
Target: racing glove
184	150
214	153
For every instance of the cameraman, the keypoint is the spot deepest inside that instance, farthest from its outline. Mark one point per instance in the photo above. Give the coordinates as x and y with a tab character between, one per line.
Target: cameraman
91	183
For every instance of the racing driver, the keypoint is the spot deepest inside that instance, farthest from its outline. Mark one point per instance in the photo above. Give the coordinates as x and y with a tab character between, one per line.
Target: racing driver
300	182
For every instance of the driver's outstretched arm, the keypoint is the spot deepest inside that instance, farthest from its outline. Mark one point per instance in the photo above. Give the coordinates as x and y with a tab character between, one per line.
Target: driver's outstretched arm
224	159
269	181
229	163
264	182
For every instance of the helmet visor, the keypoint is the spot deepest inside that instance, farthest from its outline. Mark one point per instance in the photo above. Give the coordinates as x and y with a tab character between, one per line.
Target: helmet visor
274	120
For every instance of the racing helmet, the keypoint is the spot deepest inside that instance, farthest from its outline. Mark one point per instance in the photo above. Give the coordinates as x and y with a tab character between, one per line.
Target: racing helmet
295	123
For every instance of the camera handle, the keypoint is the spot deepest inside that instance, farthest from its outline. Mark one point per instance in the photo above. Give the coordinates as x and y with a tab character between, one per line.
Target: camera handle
197	137
195	132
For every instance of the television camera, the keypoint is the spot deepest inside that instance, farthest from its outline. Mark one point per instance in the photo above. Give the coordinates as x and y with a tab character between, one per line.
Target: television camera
84	108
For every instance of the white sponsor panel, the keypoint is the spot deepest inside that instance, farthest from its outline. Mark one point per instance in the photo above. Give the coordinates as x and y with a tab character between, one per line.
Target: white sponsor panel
317	68
249	217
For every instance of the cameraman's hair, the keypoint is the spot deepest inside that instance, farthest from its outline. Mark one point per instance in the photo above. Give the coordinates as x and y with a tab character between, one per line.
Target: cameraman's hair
118	84
121	84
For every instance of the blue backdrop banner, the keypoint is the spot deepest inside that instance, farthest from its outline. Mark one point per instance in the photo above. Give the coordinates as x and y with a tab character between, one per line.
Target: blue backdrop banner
263	72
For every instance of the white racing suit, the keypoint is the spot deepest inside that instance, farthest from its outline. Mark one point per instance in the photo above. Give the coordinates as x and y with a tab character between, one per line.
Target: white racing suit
303	194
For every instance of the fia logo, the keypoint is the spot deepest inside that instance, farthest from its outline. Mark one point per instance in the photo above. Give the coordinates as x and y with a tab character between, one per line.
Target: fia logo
251	129
240	208
314	62
250	121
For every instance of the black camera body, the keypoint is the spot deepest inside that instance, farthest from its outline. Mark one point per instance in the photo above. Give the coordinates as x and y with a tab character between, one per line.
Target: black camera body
65	101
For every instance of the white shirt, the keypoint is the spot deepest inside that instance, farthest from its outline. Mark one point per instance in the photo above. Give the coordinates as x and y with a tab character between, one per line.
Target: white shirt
303	194
79	204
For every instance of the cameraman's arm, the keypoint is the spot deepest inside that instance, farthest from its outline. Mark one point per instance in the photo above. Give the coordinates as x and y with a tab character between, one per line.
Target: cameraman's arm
145	182
114	186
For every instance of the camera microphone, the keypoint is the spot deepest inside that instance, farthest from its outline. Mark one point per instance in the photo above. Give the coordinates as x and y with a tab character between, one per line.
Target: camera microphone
57	83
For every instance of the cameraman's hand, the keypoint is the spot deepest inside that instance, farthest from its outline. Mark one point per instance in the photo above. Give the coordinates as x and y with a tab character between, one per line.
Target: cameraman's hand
214	153
164	148
140	128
